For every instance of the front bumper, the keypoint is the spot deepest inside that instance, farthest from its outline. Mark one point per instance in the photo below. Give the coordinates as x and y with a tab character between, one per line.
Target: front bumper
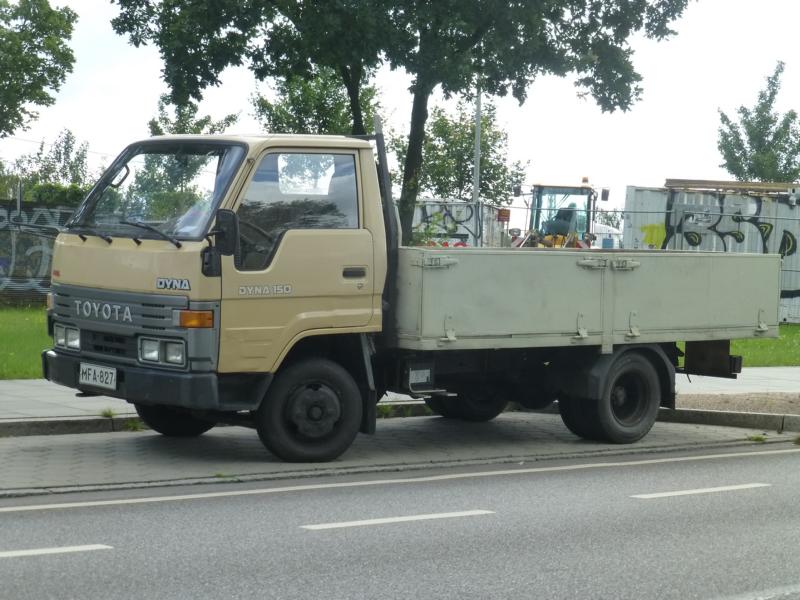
139	385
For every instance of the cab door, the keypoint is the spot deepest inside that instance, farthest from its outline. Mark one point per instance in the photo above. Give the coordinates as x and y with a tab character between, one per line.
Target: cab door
306	260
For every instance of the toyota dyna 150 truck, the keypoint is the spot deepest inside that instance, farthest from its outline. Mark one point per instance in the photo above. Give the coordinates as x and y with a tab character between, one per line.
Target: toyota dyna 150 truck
260	281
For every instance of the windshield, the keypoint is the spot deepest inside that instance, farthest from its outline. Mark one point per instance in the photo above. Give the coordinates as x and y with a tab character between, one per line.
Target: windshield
174	187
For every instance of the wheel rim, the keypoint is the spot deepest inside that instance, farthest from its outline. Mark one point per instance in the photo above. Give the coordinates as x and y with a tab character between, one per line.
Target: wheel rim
313	411
629	399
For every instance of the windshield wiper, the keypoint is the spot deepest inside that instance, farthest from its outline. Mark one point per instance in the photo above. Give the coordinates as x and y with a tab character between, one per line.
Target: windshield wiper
90	231
158	232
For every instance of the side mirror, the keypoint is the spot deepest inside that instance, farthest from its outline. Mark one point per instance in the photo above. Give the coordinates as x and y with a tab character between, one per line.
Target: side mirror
227	232
604	193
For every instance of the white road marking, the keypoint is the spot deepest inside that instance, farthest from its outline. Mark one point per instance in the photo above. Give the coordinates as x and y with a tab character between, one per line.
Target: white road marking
385	520
60	550
396	481
724	488
783	593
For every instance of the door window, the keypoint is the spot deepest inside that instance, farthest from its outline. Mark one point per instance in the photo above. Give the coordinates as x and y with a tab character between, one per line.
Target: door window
295	190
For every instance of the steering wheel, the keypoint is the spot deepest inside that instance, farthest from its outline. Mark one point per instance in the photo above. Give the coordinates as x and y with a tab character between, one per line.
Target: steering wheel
263	246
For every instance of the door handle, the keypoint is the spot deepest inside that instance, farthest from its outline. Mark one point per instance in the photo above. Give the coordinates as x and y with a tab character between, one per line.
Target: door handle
354	272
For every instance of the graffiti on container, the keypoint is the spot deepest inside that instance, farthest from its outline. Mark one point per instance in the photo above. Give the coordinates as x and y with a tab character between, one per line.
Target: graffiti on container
732	224
448	219
729	226
25	258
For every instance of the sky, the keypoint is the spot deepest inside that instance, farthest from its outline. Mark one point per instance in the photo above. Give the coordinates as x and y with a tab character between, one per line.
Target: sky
719	59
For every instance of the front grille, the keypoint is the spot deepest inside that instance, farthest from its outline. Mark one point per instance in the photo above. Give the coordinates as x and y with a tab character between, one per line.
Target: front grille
118	346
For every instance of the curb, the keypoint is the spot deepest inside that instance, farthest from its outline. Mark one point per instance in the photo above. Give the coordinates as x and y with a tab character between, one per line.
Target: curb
415	408
765	421
68	425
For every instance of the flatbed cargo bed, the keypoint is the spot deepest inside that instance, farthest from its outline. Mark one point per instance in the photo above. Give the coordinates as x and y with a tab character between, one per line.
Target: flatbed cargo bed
478	298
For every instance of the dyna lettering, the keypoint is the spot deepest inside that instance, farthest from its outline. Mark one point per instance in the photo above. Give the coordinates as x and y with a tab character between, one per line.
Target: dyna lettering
167	283
90	309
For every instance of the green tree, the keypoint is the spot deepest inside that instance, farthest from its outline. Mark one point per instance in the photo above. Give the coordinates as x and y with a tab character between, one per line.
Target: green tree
182	118
764	145
448	156
318	104
612	218
281	38
8	183
34	58
501	45
64	162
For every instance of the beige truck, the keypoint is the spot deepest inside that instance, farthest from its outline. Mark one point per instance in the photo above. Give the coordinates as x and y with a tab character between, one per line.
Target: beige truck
259	281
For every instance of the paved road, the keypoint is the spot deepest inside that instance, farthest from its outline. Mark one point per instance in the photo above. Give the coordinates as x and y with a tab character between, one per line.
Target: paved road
572	529
36	464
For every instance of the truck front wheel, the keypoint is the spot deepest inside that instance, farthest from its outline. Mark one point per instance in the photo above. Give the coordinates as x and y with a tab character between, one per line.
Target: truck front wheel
311	412
172	422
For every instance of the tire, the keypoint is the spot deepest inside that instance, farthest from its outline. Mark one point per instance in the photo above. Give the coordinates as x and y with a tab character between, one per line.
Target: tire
311	412
442	406
172	422
480	402
580	416
534	399
630	401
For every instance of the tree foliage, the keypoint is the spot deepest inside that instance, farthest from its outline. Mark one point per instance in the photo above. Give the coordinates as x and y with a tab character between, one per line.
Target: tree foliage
501	45
762	144
612	218
449	151
64	162
318	104
182	118
34	58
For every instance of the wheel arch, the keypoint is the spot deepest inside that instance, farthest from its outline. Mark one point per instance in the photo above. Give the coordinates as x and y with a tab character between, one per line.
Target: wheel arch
589	380
351	351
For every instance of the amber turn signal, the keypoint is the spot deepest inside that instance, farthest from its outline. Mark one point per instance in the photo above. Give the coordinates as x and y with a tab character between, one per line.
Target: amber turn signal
197	319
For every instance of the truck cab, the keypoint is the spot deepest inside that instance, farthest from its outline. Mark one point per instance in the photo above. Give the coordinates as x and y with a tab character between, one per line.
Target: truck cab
148	305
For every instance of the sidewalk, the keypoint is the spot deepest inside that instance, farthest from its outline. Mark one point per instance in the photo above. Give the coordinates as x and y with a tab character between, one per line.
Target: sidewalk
758	389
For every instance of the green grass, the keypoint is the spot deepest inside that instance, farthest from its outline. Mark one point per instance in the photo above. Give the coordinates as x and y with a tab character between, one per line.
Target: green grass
23	336
759	439
770	352
133	425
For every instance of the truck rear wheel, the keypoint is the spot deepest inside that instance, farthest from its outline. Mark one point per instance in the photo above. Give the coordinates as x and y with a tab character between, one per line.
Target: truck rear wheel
311	412
442	406
479	402
172	422
630	401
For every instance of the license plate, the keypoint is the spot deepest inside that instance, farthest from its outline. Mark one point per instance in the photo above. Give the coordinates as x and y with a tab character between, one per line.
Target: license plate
97	376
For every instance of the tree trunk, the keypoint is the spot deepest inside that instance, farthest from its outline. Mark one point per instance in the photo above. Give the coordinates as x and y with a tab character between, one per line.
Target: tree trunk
352	81
413	164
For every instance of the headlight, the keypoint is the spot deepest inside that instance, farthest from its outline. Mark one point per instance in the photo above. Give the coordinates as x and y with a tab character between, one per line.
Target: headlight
149	350
60	335
174	353
73	339
67	337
